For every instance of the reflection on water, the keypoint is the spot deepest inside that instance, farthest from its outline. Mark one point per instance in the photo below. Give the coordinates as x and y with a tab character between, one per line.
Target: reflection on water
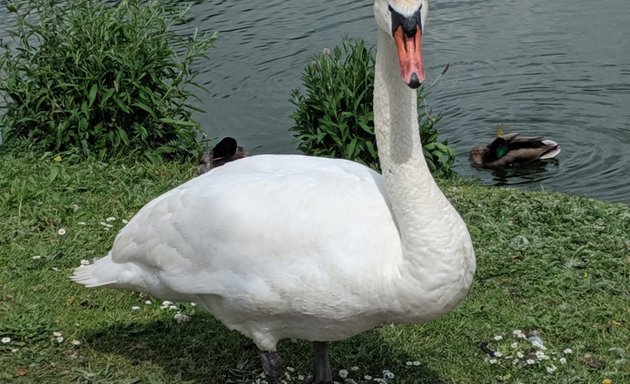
558	69
524	174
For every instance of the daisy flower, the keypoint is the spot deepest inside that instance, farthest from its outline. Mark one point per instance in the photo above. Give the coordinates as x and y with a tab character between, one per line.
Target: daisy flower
387	374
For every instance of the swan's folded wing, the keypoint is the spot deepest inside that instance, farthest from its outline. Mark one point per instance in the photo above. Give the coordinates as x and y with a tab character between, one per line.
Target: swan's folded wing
205	236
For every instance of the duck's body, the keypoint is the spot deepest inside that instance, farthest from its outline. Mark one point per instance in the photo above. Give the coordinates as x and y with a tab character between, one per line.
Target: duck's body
513	149
225	151
281	246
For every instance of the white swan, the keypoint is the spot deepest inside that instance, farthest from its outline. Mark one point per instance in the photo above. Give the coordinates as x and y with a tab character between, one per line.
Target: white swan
312	248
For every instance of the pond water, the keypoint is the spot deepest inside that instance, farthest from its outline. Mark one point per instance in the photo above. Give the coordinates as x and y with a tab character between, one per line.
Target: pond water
559	69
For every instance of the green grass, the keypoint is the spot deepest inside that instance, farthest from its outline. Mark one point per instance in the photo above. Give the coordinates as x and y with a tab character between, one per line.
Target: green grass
549	263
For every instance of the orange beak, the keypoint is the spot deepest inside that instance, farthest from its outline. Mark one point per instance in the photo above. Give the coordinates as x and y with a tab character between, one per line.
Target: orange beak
410	56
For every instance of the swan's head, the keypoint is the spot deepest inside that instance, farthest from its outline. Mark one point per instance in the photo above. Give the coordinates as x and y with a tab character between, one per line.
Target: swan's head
404	21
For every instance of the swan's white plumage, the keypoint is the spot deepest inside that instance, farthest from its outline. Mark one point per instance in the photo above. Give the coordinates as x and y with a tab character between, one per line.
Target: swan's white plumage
329	253
279	246
193	242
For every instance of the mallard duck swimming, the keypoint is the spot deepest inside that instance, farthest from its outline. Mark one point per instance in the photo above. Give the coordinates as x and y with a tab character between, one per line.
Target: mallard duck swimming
225	151
513	149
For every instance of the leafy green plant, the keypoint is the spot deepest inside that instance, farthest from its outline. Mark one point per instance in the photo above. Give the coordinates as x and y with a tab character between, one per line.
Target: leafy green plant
100	79
335	116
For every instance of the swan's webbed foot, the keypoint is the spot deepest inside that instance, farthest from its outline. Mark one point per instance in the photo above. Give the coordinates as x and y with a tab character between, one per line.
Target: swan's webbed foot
272	365
321	364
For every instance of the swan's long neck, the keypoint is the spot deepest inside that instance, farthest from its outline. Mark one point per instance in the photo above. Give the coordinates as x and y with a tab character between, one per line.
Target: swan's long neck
415	198
434	239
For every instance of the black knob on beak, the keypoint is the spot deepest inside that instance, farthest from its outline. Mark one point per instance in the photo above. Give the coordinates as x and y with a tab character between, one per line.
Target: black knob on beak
408	24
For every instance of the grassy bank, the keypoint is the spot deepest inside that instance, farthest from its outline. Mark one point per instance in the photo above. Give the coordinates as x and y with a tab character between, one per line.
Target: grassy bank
549	264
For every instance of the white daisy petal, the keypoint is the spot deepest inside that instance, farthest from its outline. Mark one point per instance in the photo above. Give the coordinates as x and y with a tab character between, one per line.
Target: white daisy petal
387	374
181	318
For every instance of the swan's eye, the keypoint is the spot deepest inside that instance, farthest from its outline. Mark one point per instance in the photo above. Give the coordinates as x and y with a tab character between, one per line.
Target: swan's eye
409	24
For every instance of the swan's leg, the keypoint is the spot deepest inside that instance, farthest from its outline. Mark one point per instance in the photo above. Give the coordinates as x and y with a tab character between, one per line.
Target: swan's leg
272	365
322	374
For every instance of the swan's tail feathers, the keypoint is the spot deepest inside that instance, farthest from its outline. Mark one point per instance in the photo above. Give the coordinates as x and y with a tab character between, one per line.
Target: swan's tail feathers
104	272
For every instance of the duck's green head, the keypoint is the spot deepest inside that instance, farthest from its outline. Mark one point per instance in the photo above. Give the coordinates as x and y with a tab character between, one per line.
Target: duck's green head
501	149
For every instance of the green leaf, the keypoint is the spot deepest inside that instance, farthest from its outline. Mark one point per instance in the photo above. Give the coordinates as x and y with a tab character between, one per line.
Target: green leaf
54	172
145	108
351	148
83	124
85	109
123	136
170	121
368	129
106	97
121	104
92	95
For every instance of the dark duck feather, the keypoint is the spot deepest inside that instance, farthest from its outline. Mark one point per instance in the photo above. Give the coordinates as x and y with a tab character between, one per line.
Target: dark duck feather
225	151
513	149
